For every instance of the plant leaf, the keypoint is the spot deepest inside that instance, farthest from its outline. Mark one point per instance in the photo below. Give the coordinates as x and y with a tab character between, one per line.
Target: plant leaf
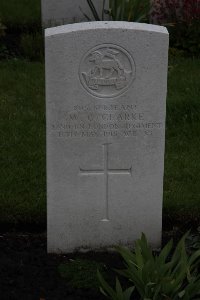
93	9
105	286
128	292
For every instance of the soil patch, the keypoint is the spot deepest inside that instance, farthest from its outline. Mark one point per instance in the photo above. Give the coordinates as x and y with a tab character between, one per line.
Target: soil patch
28	273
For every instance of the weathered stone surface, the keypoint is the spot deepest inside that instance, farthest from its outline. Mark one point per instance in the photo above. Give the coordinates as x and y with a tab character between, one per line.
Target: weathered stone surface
60	12
105	93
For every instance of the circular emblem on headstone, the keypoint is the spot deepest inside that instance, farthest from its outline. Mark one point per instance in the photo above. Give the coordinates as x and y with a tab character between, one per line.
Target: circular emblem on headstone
107	71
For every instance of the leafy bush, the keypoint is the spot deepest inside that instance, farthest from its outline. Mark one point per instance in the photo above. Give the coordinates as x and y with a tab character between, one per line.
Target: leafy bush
3	48
21	14
119	294
31	46
193	241
123	10
4	52
2	29
164	276
187	37
23	26
183	21
130	10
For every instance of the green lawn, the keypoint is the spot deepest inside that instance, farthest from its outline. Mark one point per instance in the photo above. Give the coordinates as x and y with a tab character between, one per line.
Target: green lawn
22	131
182	159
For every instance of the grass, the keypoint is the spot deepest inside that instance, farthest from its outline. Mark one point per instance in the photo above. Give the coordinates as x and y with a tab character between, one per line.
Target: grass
182	160
22	131
20	14
81	273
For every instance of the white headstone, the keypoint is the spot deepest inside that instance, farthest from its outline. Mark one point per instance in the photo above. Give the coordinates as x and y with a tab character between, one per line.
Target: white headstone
59	12
106	94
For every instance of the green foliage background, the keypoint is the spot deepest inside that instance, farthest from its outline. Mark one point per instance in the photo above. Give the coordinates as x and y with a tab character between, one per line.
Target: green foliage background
20	14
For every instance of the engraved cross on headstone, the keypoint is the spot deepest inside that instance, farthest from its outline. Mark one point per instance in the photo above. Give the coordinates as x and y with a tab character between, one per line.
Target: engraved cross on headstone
106	171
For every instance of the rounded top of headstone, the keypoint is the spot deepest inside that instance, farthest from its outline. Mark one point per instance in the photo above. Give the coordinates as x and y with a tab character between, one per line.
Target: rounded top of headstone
104	25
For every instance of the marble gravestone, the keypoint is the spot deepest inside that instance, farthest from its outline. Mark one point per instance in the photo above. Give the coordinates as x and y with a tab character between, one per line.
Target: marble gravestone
59	12
105	97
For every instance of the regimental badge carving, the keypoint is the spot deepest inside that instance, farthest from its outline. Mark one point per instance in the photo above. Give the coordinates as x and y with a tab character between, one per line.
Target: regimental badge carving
107	71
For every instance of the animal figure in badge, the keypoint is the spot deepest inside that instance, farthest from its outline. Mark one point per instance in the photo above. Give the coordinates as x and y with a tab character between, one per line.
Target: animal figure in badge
106	64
